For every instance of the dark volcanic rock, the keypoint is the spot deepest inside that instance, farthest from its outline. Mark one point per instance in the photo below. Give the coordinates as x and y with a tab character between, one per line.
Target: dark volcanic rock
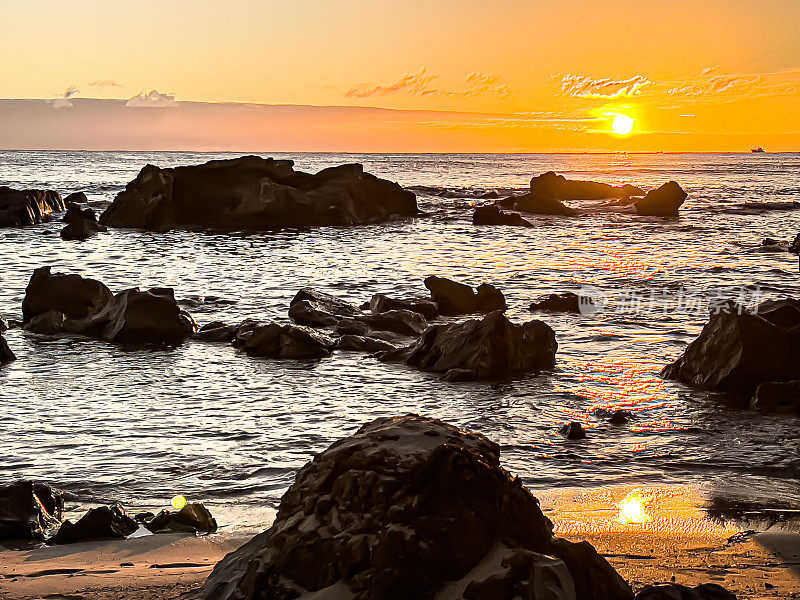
217	332
573	431
401	509
403	322
540	204
81	224
272	340
19	208
28	509
72	295
492	215
317	309
253	193
380	303
559	187
6	355
192	518
674	591
453	298
491	347
794	247
75	198
662	202
103	523
566	302
364	344
777	396
738	350
137	317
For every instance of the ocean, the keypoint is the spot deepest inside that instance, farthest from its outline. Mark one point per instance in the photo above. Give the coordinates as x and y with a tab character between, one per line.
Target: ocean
108	423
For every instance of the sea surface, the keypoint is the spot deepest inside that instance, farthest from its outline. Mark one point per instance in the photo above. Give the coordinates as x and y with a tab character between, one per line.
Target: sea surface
107	423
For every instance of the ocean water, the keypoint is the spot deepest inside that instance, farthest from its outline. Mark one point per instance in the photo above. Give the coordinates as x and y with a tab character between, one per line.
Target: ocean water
106	423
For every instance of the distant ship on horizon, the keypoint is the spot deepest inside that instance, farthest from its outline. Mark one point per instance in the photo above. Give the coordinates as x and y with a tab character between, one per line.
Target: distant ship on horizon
758	150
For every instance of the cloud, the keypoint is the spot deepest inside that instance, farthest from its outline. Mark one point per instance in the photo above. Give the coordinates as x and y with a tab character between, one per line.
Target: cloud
583	86
423	83
64	101
153	99
708	84
106	83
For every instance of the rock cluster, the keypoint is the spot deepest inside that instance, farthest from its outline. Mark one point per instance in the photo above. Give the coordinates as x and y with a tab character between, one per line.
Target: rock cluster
253	193
20	208
81	223
455	298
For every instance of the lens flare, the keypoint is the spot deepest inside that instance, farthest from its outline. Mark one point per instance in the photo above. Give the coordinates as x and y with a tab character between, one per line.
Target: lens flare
178	502
633	509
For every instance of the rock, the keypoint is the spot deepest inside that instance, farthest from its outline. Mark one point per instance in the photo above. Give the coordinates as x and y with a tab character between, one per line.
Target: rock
28	509
317	309
620	417
20	208
566	302
217	332
272	340
6	355
794	247
573	431
72	295
81	224
364	344
542	205
192	518
3	325
149	317
663	201
559	187
738	350
492	215
455	298
403	322
351	327
492	347
777	396
380	303
594	577
673	591
408	507
75	198
49	323
103	523
253	193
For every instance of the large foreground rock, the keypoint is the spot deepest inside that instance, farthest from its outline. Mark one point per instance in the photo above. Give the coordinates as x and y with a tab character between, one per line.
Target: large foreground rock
663	201
253	193
28	509
739	350
454	298
74	296
492	347
411	508
19	208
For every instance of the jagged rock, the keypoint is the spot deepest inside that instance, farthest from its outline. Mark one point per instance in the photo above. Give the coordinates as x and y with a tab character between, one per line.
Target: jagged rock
137	317
453	298
559	187
491	347
72	295
253	193
81	224
492	215
28	509
674	591
192	518
777	396
403	322
75	198
573	431
566	302
663	201
217	332
105	522
317	309
410	507
737	350
380	303
19	208
272	340
6	355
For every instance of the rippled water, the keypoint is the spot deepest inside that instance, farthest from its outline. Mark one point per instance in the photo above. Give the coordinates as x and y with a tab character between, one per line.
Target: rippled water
106	423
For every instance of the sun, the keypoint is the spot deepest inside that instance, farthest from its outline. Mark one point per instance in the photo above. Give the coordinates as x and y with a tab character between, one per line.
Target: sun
622	125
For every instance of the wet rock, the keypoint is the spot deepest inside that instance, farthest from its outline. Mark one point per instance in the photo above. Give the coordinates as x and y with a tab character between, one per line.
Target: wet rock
557	186
492	215
75	198
594	577
620	417
317	309
674	591
491	347
103	523
566	302
364	344
351	327
217	331
406	508
81	224
6	355
663	201
773	245
20	208
794	247
253	193
542	205
192	518
380	303
49	323
272	340
149	317
3	325
453	298
403	322
573	431
778	397
72	295
738	350
28	509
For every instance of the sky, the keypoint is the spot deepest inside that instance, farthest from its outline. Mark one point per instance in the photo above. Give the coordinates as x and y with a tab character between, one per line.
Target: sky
454	75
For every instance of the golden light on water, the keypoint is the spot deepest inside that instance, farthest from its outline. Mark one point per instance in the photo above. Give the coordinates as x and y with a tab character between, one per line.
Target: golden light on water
178	502
633	509
622	124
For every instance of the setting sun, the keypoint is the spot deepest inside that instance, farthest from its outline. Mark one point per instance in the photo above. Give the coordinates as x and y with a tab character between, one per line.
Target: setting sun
622	125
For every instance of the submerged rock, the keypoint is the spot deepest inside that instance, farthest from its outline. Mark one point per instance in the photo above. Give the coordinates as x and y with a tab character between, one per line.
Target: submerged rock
103	523
492	347
573	431
541	204
20	208
28	509
663	201
453	298
72	295
192	518
272	340
566	302
738	350
411	507
492	215
674	591
81	224
6	355
253	193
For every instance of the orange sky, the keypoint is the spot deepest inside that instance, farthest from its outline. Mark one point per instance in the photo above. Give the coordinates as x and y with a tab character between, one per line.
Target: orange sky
542	75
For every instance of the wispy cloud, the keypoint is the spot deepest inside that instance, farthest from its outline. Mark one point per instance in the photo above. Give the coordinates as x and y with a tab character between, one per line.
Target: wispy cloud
153	99
584	86
106	83
423	83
